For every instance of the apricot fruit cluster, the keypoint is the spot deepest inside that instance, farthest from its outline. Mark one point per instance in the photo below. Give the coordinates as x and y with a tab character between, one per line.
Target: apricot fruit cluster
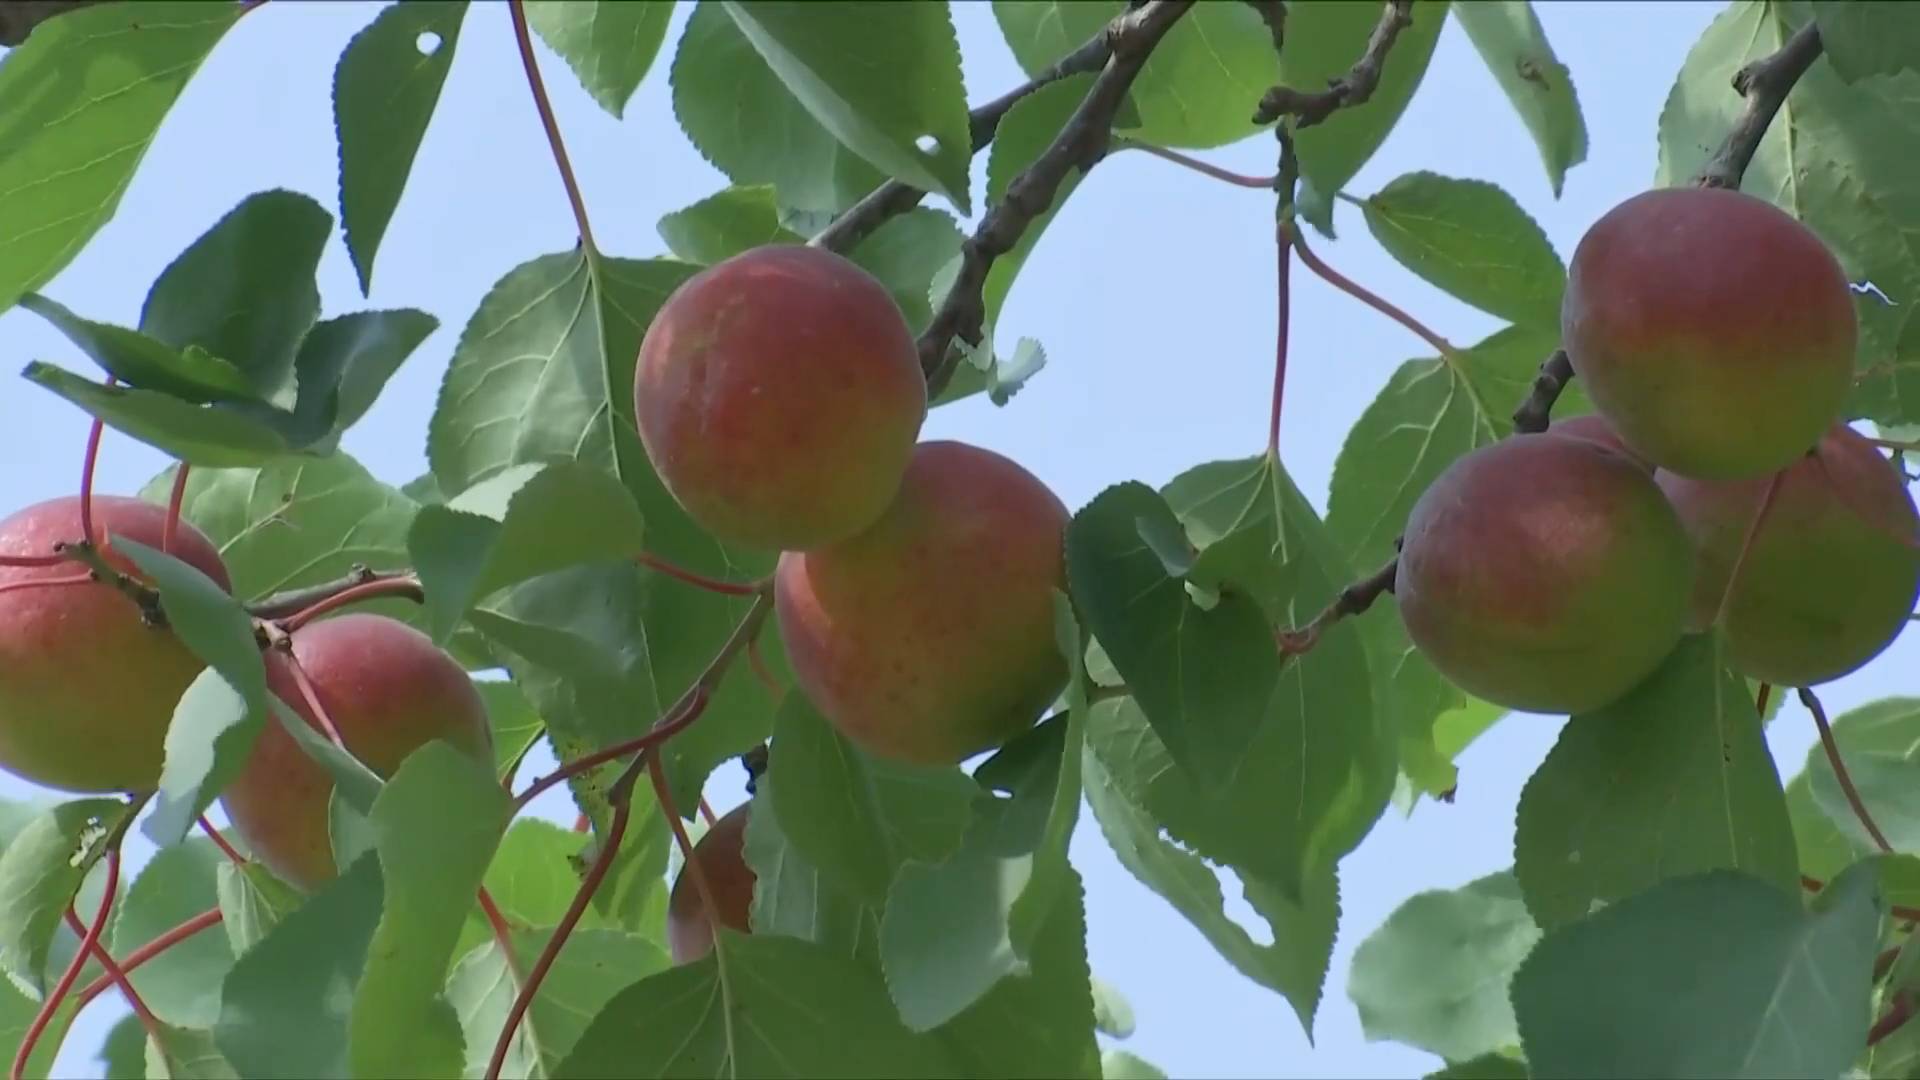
1716	487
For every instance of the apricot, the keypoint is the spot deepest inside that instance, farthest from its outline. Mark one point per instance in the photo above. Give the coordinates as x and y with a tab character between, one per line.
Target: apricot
87	688
1594	428
721	855
388	691
929	637
1712	329
1544	574
778	394
1833	571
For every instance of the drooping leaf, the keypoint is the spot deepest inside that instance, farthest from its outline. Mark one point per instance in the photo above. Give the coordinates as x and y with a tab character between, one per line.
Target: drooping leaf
1862	40
252	902
17	1012
345	362
385	89
144	362
791	896
39	873
590	969
1828	844
214	436
183	1053
884	79
86	93
725	224
1508	36
182	984
1435	974
609	44
1711	975
1470	239
516	724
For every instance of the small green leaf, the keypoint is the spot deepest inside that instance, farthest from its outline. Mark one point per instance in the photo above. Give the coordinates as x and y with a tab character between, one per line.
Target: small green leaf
1484	1067
590	969
39	873
17	1013
346	361
1435	974
1862	40
1828	843
1508	36
143	362
725	224
123	1055
1470	239
178	1053
1886	784
1672	779
385	89
906	253
1111	1010
182	984
284	1006
753	1023
609	44
883	78
856	817
516	724
244	290
533	877
1126	1065
252	903
87	92
436	825
1644	988
513	526
215	436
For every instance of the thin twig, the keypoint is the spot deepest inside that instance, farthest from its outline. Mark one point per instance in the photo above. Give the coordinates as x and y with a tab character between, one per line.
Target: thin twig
1904	446
1832	748
1764	84
1228	176
1896	1016
1367	296
208	918
715	585
1355	599
407	587
1761	697
116	975
1344	91
524	38
502	935
1284	180
282	604
174	499
1082	142
220	842
1535	414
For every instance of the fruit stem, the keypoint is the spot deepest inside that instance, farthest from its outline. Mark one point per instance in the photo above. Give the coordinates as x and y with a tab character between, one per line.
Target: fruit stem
407	587
1201	167
1535	414
1368	297
725	588
220	842
524	38
1746	545
206	919
581	823
32	561
689	864
706	812
88	941
1832	748
282	604
1896	1016
312	698
174	499
502	934
115	976
87	462
1283	243
765	674
1761	697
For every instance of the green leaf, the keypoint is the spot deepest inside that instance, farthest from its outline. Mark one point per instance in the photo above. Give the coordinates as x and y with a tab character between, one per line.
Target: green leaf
1294	962
1023	135
590	969
1470	239
1827	844
792	897
1322	42
144	362
745	122
182	984
882	78
514	525
515	722
1640	990
1484	1067
345	362
1862	40
86	93
1197	90
1126	1065
856	817
123	1055
1885	783
609	44
753	1022
252	903
436	825
214	436
907	252
725	224
39	873
1435	974
284	1006
1674	778
17	1012
1112	1014
1508	36
532	878
244	290
186	1054
385	89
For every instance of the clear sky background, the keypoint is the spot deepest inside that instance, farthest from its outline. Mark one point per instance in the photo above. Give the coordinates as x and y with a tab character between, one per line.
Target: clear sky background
1152	292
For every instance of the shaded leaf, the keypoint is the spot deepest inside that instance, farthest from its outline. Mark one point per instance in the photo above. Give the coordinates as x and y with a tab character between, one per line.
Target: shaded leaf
1126	1065
179	1053
39	873
123	1054
144	362
609	44
252	902
907	253
1023	135
1470	239
182	984
515	723
590	969
1508	36
345	362
1890	726
1862	40
791	896
214	436
725	224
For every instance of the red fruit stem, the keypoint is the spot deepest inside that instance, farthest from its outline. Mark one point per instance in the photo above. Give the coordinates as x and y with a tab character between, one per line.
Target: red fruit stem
312	698
1746	545
1832	748
706	812
408	586
38	583
1761	698
174	499
32	561
221	842
115	976
88	941
1201	167
87	462
582	823
1368	297
1895	1017
725	588
690	865
524	38
288	602
208	918
1285	262
502	934
675	720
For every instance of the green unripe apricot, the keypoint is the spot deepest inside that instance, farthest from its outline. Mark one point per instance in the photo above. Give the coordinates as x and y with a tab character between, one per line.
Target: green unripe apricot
1712	329
1833	571
1544	574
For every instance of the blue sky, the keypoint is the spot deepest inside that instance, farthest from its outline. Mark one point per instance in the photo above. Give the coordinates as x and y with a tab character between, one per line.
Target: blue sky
1152	292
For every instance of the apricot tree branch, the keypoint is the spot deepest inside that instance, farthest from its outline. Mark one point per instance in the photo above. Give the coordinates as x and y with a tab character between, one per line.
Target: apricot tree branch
143	597
1355	599
1132	37
407	586
1764	84
1536	413
1832	748
1343	91
281	605
700	581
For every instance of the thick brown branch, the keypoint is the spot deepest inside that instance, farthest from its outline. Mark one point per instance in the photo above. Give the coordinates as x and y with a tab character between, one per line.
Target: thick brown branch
1536	413
1764	84
1081	143
894	197
1343	91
